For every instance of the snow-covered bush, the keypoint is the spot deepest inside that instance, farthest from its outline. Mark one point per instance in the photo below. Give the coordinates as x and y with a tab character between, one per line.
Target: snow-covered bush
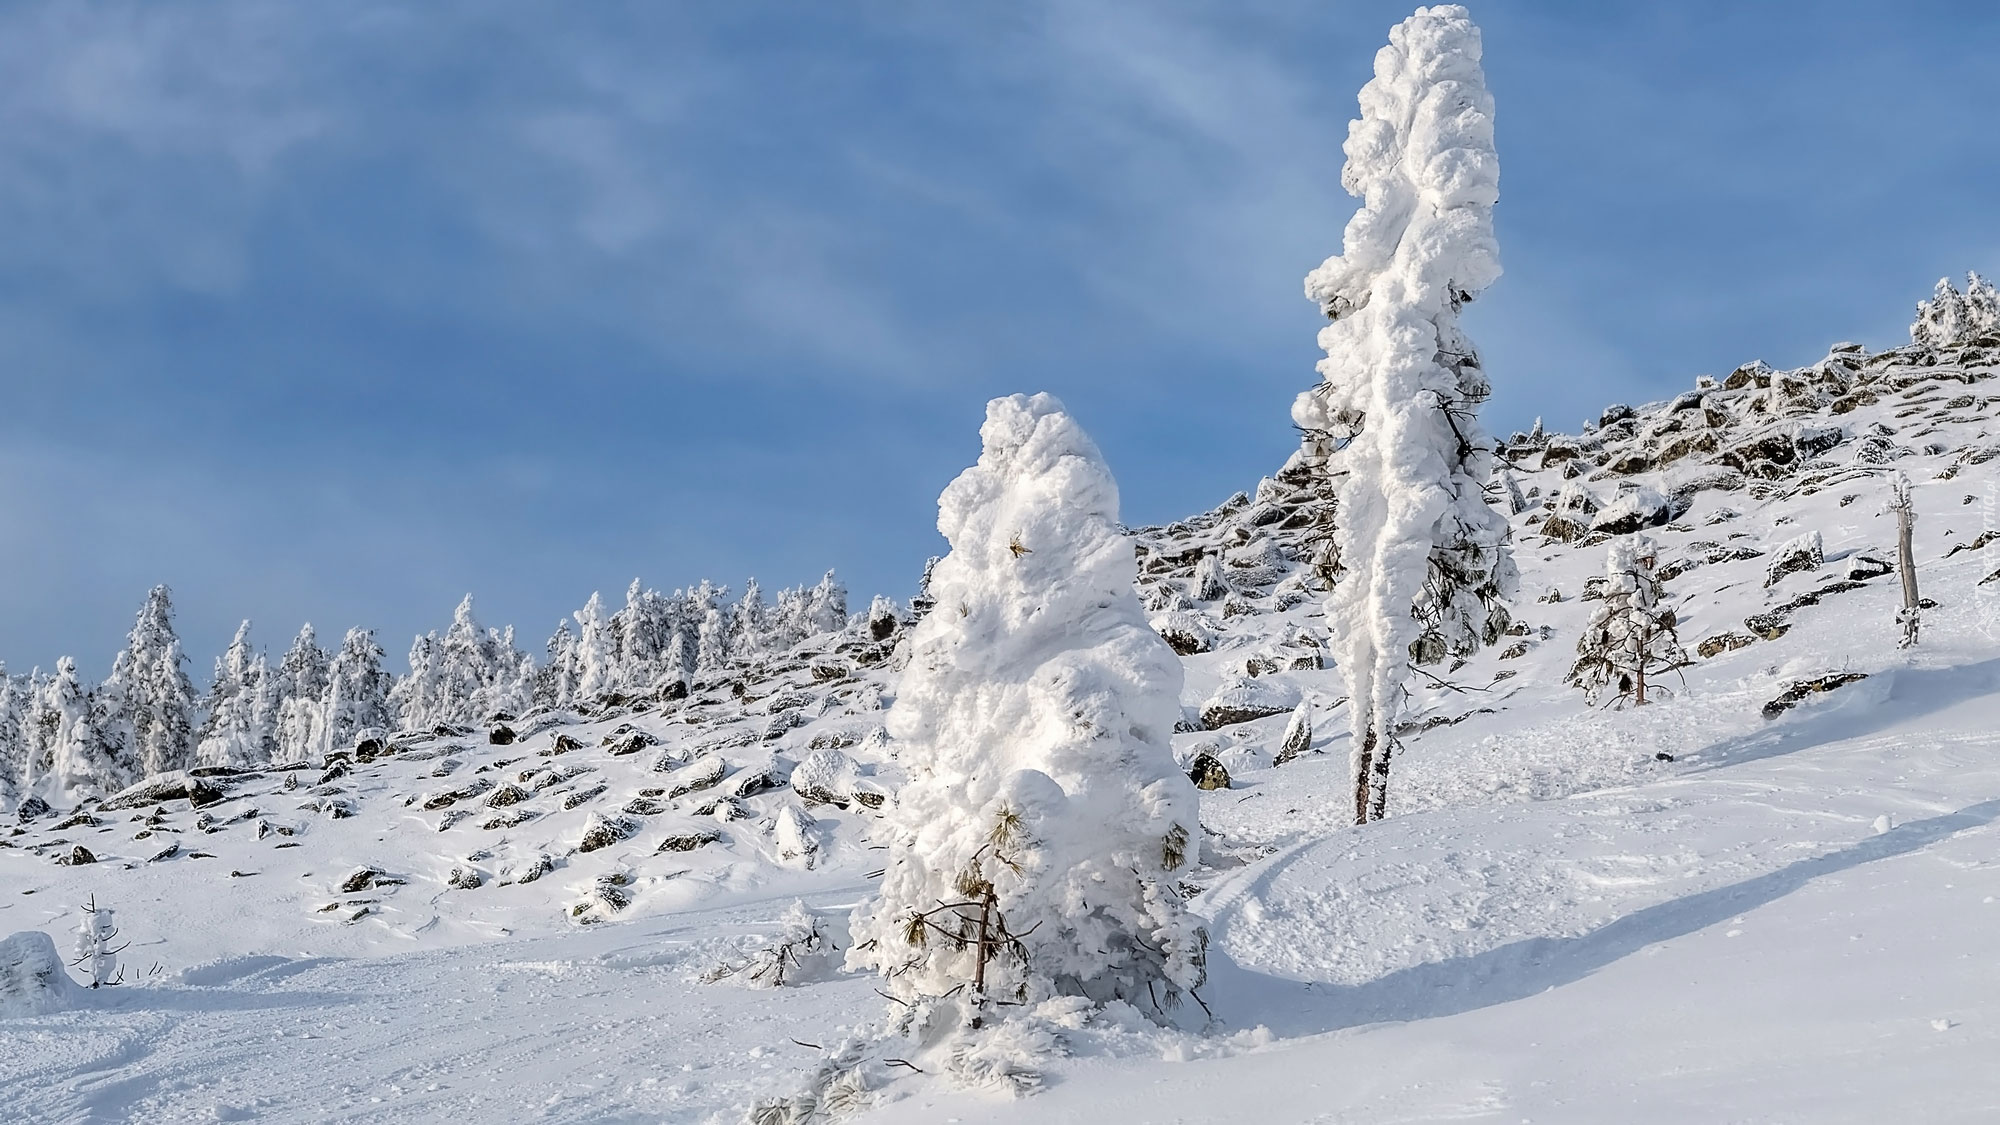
1951	317
95	952
1033	849
1631	637
801	950
1428	572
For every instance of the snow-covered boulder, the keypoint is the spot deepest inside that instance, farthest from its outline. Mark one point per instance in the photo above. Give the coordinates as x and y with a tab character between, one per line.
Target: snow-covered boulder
1184	632
1241	699
33	981
1806	552
1633	511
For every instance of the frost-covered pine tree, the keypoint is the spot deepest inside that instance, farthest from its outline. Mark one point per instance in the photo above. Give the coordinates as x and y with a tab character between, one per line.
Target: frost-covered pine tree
748	622
826	606
414	696
301	692
596	652
82	763
1032	852
711	646
1427	571
555	685
468	664
1631	638
1951	317
237	732
644	627
13	741
152	684
40	722
357	694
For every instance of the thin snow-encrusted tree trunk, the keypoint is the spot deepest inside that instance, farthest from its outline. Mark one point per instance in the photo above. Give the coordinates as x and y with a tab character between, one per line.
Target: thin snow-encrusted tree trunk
1426	572
1904	505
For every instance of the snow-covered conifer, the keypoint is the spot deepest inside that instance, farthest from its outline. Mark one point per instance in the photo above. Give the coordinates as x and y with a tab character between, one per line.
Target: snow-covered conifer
237	731
747	622
711	646
826	606
81	763
414	696
1631	638
1951	317
1427	568
40	722
677	663
596	652
13	740
357	694
555	686
301	689
643	627
153	695
1033	850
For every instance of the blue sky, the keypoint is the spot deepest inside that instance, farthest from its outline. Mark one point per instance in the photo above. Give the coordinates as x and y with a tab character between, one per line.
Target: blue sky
338	311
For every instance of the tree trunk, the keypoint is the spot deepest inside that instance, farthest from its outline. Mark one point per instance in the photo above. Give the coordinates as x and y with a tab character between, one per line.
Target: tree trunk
1379	799
1639	672
1906	557
1364	767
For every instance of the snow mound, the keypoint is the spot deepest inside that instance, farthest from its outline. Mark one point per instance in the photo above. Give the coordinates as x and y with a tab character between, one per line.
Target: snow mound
32	979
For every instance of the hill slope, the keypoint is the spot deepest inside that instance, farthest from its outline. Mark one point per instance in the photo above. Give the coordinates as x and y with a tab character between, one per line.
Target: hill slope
1785	920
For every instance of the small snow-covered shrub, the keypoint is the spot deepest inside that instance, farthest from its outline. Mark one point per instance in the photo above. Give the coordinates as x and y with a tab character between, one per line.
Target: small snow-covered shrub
1951	317
800	951
96	954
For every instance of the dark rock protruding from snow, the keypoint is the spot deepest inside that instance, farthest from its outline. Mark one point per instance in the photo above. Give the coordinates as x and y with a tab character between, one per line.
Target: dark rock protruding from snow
1799	690
1208	772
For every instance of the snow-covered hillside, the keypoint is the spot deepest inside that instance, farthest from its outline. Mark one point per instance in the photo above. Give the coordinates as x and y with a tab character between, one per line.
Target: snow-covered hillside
1771	894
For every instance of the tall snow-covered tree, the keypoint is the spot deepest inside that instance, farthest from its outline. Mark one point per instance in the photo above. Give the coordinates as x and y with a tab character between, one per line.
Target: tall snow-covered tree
39	725
1631	638
469	665
357	694
711	646
237	732
645	626
13	740
301	690
596	652
154	698
1426	569
826	605
747	622
1032	852
555	686
82	763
